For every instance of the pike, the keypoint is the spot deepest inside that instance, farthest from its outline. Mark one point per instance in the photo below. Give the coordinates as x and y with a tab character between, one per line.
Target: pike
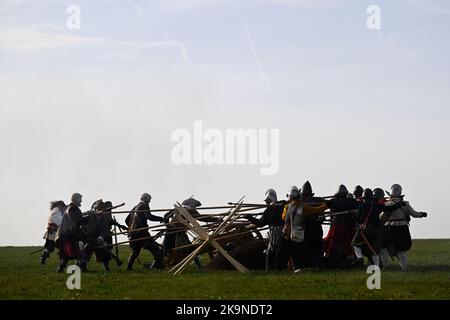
34	252
114	207
254	207
197	218
372	250
115	238
161	232
332	214
265	205
208	239
223	237
248	204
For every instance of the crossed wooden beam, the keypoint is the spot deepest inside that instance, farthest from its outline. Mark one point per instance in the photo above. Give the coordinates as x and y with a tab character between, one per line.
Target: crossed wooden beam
208	239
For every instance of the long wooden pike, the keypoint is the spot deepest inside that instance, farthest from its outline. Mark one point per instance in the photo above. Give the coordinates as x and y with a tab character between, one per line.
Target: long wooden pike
194	253
210	240
203	236
363	236
161	232
115	239
34	252
201	217
207	239
256	206
332	214
221	237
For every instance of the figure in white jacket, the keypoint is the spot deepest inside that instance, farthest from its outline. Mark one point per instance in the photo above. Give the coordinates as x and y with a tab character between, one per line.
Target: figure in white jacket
396	236
57	209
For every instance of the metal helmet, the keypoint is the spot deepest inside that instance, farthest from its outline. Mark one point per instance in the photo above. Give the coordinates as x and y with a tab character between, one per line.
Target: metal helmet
98	205
307	189
358	192
271	196
367	194
191	203
293	192
396	191
76	199
378	193
342	190
146	197
76	196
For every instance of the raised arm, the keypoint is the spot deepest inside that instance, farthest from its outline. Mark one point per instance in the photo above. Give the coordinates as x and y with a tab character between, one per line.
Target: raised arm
150	216
314	210
416	214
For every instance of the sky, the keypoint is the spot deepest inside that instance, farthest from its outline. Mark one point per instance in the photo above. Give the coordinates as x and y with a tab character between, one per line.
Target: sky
92	110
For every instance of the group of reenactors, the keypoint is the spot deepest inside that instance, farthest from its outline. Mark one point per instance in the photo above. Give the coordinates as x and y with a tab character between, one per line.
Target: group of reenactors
365	223
78	235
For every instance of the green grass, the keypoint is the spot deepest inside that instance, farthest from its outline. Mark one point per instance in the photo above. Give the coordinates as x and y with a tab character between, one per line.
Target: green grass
22	277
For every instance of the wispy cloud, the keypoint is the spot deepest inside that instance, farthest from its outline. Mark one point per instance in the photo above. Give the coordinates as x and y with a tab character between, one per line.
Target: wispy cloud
34	38
439	7
175	44
295	3
39	37
255	56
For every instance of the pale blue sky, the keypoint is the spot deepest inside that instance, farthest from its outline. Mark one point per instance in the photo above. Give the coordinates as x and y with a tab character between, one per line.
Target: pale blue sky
92	110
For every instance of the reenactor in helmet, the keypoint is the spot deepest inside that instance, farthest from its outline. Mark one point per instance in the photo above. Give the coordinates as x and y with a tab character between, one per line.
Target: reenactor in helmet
141	239
295	213
397	238
338	243
176	235
358	193
368	236
70	237
98	234
272	217
313	228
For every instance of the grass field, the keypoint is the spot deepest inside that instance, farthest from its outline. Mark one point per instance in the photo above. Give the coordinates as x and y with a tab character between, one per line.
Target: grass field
22	277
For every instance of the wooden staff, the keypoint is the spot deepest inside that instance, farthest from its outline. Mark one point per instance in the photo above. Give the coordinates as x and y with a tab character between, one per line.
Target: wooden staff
115	207
208	239
223	237
202	217
363	236
115	238
162	232
332	214
199	208
209	226
34	252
